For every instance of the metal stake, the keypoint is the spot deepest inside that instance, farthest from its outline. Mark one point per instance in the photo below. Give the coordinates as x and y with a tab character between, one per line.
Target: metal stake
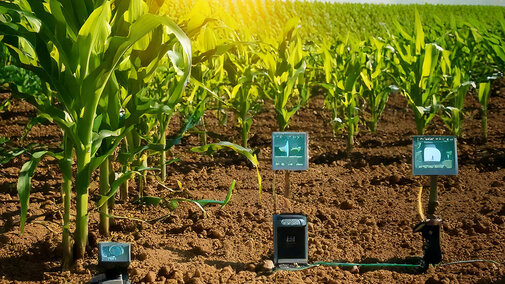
433	202
287	184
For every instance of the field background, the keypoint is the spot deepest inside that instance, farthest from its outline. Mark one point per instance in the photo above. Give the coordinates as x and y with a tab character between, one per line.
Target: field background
360	206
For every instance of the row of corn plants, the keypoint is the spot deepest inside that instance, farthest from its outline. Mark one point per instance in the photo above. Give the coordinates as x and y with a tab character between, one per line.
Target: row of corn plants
80	51
434	66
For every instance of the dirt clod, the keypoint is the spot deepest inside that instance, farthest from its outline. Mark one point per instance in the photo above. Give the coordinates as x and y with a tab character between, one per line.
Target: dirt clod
198	273
227	269
203	249
164	271
216	234
142	256
150	277
483	226
136	271
267	265
177	275
79	267
347	204
251	267
195	280
395	179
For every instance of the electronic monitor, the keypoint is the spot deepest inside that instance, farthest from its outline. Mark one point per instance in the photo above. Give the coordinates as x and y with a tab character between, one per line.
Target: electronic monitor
290	151
114	255
290	239
434	155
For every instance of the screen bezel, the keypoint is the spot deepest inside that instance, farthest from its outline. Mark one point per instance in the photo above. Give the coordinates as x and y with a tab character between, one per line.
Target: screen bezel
305	158
436	171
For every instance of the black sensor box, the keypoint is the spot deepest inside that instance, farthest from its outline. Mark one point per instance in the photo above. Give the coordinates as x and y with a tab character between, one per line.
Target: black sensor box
290	239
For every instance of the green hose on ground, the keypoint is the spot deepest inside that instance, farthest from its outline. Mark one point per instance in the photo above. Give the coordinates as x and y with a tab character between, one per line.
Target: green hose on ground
347	264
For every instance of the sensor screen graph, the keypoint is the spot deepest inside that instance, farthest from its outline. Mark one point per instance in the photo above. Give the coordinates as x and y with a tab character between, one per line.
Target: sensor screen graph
289	151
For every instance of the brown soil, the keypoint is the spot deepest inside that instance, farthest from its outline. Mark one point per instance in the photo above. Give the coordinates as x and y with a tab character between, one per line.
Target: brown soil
360	208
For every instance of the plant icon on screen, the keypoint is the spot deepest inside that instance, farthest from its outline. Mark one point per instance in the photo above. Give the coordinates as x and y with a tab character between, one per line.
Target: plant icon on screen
431	153
282	150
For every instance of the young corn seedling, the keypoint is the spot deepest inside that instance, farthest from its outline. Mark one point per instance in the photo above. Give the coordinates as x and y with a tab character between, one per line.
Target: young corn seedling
244	92
249	154
285	66
375	77
173	203
418	73
162	100
90	40
342	81
496	50
462	66
483	95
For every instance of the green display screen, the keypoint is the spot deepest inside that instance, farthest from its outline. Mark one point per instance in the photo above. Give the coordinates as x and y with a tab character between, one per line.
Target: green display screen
114	252
434	155
290	151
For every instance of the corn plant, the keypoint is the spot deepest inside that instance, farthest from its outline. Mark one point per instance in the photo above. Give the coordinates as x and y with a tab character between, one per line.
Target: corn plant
375	76
136	73
464	65
160	91
418	73
496	50
210	149
285	66
483	95
90	40
342	67
244	92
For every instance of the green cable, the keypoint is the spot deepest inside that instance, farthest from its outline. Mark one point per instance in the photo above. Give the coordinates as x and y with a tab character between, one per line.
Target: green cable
470	261
347	264
367	264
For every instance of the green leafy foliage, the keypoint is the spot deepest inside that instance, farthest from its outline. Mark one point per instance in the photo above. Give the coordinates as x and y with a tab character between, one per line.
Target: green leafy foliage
285	66
173	203
418	74
75	48
212	148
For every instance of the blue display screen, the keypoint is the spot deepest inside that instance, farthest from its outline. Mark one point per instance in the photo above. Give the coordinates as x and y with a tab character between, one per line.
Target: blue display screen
114	252
434	155
290	151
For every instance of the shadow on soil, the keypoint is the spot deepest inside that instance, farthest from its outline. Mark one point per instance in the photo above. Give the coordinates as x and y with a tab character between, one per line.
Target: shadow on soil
500	281
487	159
31	266
237	266
219	159
356	159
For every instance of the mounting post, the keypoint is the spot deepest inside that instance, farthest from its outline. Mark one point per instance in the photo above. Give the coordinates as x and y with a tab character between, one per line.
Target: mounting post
433	202
274	193
287	184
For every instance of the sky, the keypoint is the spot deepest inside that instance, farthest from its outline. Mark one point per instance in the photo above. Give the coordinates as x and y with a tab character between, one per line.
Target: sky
447	2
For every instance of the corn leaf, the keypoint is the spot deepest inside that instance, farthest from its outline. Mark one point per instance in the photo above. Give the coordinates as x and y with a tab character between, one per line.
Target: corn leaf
25	182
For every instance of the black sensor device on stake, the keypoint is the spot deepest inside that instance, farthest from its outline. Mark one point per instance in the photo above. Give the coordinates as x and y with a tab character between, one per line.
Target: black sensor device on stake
113	259
433	156
430	230
290	239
